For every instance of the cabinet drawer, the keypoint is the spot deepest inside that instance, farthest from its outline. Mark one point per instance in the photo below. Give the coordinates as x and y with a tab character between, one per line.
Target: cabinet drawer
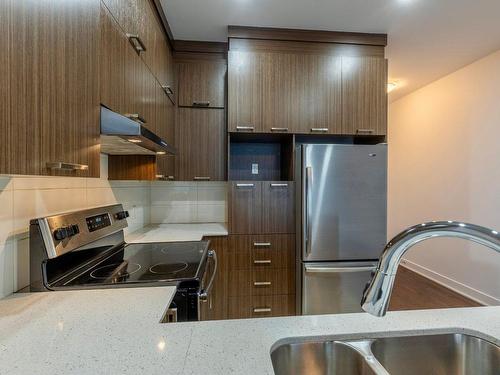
262	251
261	282
261	306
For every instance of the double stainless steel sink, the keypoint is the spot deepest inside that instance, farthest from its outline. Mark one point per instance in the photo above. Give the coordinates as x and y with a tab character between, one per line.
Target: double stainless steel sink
441	354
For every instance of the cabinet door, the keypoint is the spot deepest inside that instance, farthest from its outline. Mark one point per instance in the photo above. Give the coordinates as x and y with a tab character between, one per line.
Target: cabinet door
245	207
54	87
202	83
278	213
245	91
5	104
201	144
165	116
364	95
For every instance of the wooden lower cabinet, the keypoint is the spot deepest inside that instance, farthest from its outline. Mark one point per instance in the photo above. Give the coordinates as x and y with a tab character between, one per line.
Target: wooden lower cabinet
261	306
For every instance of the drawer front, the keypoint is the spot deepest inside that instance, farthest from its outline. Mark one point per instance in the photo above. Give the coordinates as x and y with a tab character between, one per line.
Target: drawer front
262	252
261	306
261	282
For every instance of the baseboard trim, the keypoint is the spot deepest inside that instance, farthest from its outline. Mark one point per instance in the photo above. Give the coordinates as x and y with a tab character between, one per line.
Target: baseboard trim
454	285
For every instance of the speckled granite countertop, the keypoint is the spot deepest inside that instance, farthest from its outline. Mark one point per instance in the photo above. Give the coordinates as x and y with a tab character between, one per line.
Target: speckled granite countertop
177	232
118	332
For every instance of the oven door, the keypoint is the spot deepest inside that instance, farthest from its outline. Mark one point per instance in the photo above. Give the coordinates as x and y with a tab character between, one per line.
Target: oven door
205	295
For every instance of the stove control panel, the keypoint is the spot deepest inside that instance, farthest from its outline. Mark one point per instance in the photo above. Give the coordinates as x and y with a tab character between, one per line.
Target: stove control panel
98	222
66	232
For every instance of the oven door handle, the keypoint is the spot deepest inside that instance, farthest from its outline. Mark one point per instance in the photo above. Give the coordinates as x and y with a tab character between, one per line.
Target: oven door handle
204	293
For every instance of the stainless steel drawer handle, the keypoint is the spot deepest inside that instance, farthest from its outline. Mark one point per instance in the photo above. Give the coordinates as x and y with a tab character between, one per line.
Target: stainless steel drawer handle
279	129
279	185
262	244
245	185
136	42
265	261
201	178
365	131
167	89
136	117
67	166
204	293
261	310
247	128
201	103
262	283
319	130
319	269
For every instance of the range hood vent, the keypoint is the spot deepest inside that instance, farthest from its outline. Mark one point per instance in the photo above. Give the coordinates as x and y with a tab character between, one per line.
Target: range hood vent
121	135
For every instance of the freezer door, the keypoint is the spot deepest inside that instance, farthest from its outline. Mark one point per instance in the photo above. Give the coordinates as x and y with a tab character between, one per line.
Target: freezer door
334	288
344	199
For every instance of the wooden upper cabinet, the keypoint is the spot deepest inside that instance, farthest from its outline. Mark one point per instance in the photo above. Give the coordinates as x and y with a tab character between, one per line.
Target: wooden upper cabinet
245	207
278	202
201	144
302	93
54	89
202	83
364	96
245	91
5	104
165	127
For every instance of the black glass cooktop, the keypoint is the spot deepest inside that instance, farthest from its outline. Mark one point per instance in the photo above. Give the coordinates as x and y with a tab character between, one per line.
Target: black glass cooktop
142	263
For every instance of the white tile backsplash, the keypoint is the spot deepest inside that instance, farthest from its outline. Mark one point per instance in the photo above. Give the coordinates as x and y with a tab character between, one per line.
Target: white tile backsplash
26	197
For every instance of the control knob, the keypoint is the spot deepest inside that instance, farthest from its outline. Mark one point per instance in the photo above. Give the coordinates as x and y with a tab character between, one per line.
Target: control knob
122	215
66	232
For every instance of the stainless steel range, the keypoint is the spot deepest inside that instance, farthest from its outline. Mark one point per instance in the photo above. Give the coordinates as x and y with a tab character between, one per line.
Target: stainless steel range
87	250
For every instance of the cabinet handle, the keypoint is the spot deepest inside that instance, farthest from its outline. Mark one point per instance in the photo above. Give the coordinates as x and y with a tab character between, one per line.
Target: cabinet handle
136	42
136	117
262	283
167	89
262	244
319	130
201	104
364	131
265	261
279	129
201	178
67	166
278	185
162	177
245	185
261	310
248	128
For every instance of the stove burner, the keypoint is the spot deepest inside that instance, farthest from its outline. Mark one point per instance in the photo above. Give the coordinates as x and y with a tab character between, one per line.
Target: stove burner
168	268
115	270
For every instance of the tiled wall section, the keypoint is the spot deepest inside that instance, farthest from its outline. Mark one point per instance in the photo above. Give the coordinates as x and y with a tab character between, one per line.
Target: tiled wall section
24	198
188	202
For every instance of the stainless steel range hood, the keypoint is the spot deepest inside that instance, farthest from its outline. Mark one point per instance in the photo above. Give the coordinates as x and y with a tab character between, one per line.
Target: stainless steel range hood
121	135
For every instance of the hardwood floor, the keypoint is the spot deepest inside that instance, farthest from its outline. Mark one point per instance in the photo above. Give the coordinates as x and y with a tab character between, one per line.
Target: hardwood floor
413	291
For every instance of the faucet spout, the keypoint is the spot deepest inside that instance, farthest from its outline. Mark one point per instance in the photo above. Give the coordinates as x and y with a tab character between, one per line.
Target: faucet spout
378	291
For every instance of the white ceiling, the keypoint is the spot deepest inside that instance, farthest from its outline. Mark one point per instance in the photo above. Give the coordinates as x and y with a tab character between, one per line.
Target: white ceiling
427	38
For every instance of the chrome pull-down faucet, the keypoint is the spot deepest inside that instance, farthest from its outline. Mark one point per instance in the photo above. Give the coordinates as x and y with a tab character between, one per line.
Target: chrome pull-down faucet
378	292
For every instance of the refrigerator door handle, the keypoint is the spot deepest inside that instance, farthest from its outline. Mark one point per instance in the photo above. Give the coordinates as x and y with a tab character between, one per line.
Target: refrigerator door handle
322	269
308	227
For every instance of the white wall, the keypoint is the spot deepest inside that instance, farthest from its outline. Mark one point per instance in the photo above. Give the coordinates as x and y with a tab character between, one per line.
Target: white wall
444	164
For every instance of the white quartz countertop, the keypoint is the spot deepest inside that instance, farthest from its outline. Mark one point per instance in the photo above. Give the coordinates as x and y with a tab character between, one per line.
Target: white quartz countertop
117	331
177	232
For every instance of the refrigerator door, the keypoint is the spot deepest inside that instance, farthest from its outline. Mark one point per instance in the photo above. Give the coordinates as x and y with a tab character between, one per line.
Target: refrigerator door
344	199
334	288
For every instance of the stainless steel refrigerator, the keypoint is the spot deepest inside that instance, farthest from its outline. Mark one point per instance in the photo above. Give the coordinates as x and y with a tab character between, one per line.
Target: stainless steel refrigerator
341	223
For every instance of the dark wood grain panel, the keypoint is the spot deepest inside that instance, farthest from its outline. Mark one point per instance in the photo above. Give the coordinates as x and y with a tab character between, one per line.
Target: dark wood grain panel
280	46
278	207
165	126
201	82
247	32
416	292
245	207
257	306
201	144
54	88
364	96
261	282
245	91
200	46
5	103
132	167
261	251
